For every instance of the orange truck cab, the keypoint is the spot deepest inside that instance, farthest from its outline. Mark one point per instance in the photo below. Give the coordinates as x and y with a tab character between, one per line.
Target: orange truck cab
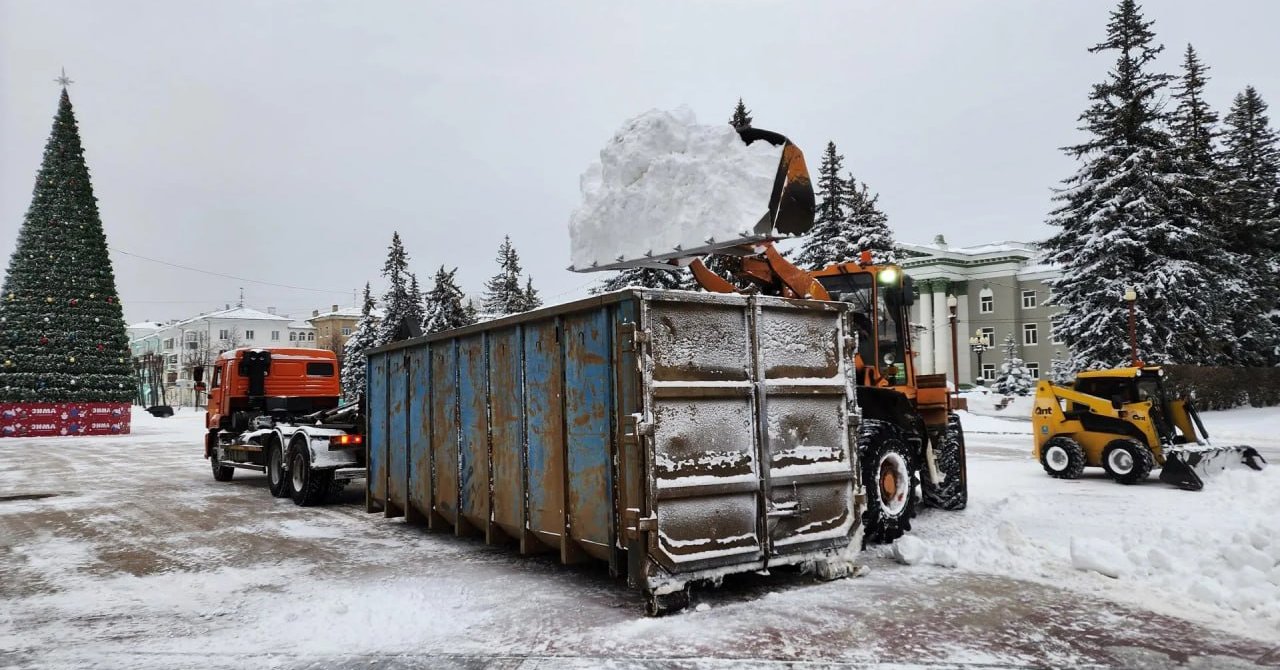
279	411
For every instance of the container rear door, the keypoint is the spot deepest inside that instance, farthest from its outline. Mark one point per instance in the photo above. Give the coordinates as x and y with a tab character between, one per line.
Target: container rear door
749	407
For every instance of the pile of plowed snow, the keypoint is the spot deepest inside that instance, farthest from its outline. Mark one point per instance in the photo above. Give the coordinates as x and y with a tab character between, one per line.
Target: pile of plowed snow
664	182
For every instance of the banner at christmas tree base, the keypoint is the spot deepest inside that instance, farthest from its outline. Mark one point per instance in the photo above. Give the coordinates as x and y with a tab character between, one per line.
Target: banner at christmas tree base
58	419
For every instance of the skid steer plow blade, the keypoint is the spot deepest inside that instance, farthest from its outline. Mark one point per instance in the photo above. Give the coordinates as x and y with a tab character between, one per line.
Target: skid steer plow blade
1187	466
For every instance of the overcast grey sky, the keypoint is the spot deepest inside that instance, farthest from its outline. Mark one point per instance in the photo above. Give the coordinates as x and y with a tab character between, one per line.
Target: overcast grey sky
285	141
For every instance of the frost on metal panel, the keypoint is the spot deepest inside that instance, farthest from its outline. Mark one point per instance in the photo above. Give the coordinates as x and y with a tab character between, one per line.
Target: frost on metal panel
799	343
699	342
703	528
699	441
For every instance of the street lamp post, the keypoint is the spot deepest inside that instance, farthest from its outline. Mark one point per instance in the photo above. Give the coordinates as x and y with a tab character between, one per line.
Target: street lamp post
955	358
978	344
1131	297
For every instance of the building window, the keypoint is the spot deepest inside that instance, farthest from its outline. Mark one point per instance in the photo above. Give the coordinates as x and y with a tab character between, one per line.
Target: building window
1028	299
293	337
989	371
191	344
173	360
248	334
224	335
989	335
1053	334
346	332
275	336
311	337
1030	334
1034	369
168	344
986	301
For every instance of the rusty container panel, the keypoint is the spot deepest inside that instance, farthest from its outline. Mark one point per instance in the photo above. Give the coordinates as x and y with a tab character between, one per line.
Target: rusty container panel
699	341
544	419
473	451
588	410
376	456
397	434
809	455
419	505
506	372
444	429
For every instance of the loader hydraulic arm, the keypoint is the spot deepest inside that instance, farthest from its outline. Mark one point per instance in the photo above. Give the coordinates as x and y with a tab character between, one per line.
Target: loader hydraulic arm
768	270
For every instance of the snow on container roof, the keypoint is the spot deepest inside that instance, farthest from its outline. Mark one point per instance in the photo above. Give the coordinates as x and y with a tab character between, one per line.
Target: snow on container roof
666	187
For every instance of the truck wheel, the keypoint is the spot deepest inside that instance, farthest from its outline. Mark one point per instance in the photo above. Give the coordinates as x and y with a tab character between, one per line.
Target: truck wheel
310	487
277	478
1127	461
222	473
1062	457
948	454
889	476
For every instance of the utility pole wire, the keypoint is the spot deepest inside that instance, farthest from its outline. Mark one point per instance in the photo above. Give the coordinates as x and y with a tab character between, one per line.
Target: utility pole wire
227	276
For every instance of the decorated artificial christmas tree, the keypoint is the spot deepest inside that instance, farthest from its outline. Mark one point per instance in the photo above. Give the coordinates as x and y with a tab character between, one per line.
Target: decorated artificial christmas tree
64	355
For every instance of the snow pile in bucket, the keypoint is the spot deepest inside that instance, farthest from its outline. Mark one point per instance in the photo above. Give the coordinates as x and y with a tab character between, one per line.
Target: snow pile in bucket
664	182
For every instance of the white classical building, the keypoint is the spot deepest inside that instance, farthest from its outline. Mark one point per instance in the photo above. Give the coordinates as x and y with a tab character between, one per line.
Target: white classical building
1000	290
198	340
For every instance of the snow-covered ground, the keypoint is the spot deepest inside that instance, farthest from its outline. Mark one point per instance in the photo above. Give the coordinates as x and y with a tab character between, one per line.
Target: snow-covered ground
123	552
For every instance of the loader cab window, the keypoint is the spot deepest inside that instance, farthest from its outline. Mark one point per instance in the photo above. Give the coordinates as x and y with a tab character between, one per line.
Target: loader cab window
879	324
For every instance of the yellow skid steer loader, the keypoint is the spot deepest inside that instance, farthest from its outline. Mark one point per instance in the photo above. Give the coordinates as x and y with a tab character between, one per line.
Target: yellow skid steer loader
1123	421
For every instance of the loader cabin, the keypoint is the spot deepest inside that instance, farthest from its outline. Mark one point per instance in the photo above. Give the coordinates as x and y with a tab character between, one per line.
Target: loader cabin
292	381
881	296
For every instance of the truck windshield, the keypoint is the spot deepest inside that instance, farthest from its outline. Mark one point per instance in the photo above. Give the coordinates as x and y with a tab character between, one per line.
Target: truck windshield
877	322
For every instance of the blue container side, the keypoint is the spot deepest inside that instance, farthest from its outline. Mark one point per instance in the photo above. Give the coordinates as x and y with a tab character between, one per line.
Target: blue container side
473	454
588	418
419	504
376	388
544	425
397	434
444	428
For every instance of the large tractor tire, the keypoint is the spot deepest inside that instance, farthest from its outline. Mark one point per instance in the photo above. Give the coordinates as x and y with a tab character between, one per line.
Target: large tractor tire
310	487
889	475
952	493
1127	461
277	477
1062	458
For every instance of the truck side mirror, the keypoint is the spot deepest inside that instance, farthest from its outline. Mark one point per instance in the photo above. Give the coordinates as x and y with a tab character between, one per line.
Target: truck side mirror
197	373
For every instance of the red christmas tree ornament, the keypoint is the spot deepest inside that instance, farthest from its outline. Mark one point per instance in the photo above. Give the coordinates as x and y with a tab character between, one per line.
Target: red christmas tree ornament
101	346
44	340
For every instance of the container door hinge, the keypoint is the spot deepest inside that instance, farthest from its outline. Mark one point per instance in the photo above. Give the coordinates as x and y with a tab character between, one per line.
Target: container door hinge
632	337
634	524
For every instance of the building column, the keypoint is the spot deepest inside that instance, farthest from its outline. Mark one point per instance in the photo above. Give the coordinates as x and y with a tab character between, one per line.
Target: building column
926	330
941	329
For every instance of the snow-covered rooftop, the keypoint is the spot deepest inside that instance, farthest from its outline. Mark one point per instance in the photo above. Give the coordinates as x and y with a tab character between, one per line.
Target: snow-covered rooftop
243	313
345	313
302	325
146	325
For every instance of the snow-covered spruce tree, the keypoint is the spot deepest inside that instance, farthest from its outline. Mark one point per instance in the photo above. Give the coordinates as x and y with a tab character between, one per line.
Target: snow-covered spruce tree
529	298
363	338
445	310
741	116
1122	221
675	279
416	313
62	334
865	227
502	293
399	306
1014	377
1250	162
816	250
472	311
1060	371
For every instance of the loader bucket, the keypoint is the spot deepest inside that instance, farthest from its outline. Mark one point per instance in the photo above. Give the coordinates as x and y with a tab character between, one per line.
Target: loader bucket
792	204
1187	466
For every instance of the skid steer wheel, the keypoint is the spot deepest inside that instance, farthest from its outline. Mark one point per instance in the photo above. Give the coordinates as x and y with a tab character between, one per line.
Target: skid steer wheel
889	476
277	478
1062	457
222	473
1127	461
948	455
310	487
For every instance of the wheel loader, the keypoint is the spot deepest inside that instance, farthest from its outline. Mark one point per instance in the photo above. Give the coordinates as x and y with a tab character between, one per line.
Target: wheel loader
1124	421
909	437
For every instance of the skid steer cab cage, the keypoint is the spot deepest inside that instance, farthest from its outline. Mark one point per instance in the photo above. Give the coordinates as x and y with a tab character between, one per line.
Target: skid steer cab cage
677	436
